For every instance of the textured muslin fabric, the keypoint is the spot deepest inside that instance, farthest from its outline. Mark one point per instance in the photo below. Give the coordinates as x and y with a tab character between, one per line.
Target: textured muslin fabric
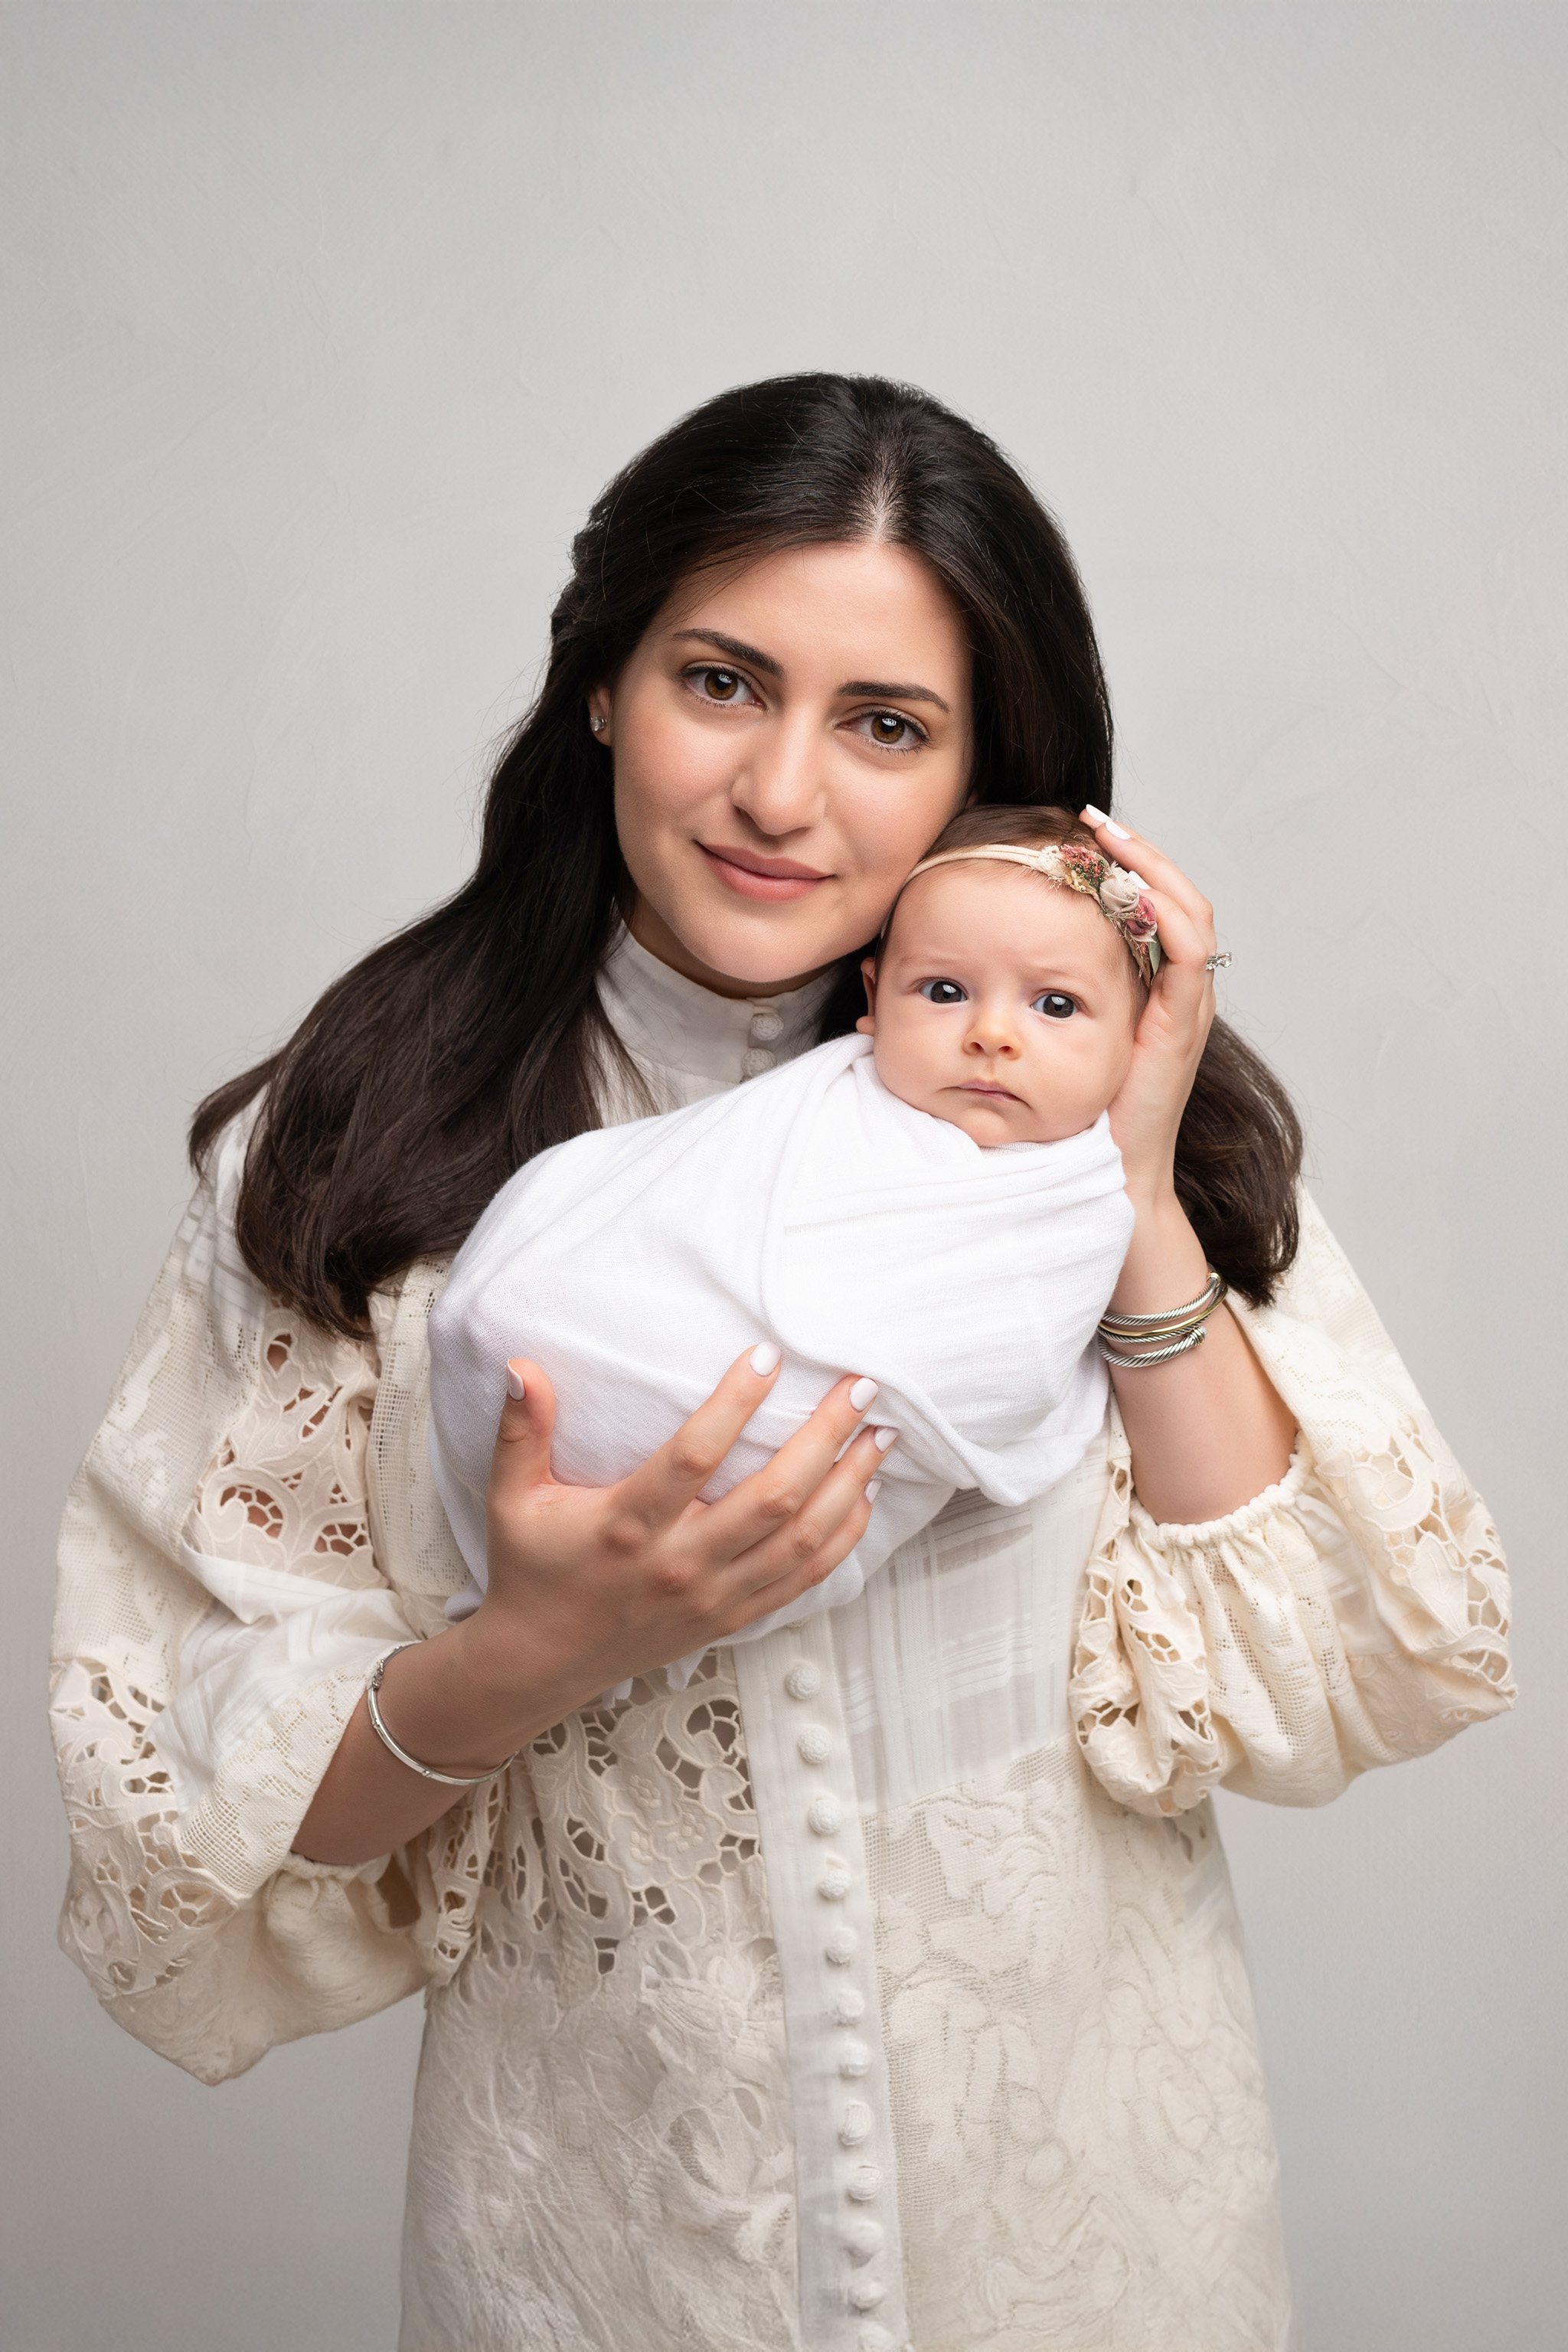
812	1207
640	2061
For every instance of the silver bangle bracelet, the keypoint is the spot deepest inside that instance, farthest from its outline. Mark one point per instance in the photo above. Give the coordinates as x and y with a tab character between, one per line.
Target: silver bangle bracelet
426	1771
1155	1338
1157	1355
1128	1326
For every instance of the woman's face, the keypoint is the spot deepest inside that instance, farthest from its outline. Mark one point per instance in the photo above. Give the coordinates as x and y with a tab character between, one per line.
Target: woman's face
788	738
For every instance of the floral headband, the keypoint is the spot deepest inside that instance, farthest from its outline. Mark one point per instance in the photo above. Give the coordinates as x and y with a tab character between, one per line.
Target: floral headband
1120	895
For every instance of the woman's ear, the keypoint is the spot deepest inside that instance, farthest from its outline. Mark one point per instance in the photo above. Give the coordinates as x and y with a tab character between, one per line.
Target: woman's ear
867	1024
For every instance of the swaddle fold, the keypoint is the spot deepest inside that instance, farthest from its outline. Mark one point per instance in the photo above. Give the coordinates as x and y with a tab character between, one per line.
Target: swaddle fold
814	1208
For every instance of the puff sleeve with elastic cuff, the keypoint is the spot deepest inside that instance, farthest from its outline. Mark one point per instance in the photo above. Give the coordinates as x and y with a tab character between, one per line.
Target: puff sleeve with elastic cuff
219	1605
1354	1614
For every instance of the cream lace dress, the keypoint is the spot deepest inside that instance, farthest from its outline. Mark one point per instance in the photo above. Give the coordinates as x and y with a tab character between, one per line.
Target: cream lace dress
882	1988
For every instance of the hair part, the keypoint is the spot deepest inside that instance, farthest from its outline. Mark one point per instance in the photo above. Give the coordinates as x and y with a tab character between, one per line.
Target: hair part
456	1051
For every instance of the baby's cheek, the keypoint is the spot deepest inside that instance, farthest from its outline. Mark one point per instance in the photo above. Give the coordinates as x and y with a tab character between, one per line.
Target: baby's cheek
1079	1070
1112	1075
908	1060
887	1057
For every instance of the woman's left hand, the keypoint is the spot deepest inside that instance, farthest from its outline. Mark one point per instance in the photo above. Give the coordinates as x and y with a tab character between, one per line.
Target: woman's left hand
1207	1430
1176	1020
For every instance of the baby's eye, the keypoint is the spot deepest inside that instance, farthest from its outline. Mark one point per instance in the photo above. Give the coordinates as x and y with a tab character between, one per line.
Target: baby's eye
943	991
717	685
1053	1005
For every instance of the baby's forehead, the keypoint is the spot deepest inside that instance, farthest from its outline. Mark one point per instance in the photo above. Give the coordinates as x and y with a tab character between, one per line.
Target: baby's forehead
946	903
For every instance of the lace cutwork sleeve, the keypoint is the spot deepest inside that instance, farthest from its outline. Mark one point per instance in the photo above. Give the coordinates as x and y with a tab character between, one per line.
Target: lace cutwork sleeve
1355	1614
218	1604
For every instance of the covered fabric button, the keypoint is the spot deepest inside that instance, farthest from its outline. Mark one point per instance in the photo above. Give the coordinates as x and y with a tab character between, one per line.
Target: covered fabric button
835	1883
873	2339
824	1814
864	2237
766	1025
803	1681
854	2060
863	2183
841	1946
855	2126
814	1746
865	2294
848	2007
755	1060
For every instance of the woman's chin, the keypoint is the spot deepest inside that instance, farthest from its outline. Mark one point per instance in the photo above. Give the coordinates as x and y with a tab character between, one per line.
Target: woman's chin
766	948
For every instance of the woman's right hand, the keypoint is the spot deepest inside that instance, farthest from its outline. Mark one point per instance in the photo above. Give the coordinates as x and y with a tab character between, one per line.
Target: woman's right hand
589	1585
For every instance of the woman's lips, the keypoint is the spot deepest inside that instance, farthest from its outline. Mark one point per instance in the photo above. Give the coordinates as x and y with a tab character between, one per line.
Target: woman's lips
770	879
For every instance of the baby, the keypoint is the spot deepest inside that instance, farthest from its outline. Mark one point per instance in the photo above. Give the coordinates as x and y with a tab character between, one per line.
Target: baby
936	1202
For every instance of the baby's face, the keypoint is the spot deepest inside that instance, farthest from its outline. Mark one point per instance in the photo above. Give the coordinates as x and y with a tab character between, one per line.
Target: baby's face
1005	1004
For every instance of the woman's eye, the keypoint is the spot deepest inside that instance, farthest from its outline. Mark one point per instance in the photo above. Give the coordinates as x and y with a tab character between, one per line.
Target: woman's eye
892	730
718	684
943	991
1055	1006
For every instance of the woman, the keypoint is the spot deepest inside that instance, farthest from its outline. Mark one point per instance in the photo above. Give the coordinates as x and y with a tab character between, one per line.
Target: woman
883	1987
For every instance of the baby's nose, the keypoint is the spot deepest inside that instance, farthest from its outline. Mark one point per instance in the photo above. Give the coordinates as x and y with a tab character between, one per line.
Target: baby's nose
993	1036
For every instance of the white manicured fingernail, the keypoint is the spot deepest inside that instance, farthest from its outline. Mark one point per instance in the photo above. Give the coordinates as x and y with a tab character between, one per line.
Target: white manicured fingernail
862	1392
1092	815
514	1387
765	1357
873	1490
1117	832
884	1438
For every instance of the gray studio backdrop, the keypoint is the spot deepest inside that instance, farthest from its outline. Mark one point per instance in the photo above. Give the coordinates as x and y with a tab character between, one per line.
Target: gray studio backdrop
324	323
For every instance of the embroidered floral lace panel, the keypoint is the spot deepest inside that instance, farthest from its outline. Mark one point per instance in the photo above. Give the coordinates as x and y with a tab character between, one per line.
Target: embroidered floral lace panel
611	2055
1085	2153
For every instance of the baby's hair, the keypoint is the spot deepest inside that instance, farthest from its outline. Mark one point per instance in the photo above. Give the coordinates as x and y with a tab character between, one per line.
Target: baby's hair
1238	1151
1010	827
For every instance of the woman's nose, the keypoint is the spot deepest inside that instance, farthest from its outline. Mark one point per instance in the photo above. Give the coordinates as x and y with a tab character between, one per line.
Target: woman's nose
781	784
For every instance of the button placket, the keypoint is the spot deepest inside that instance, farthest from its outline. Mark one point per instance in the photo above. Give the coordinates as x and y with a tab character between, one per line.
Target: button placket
762	1033
860	2236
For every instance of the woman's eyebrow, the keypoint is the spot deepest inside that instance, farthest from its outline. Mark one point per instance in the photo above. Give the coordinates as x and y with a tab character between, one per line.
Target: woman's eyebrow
892	693
736	646
739	650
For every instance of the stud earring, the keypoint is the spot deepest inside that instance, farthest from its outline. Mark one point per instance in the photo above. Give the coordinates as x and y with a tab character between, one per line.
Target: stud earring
595	724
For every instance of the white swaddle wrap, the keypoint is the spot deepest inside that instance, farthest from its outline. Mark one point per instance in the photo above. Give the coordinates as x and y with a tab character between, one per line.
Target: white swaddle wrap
814	1208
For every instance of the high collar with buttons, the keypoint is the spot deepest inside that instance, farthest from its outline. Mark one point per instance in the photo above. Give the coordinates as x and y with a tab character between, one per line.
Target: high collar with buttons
697	1042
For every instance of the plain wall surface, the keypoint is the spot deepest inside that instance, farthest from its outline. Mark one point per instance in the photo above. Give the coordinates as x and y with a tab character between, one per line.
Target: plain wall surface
324	324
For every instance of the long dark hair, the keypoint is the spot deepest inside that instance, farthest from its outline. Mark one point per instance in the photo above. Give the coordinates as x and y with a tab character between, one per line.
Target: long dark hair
1239	1149
460	1048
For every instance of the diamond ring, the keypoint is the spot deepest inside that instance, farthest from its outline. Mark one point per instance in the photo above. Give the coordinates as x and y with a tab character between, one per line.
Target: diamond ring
1220	962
